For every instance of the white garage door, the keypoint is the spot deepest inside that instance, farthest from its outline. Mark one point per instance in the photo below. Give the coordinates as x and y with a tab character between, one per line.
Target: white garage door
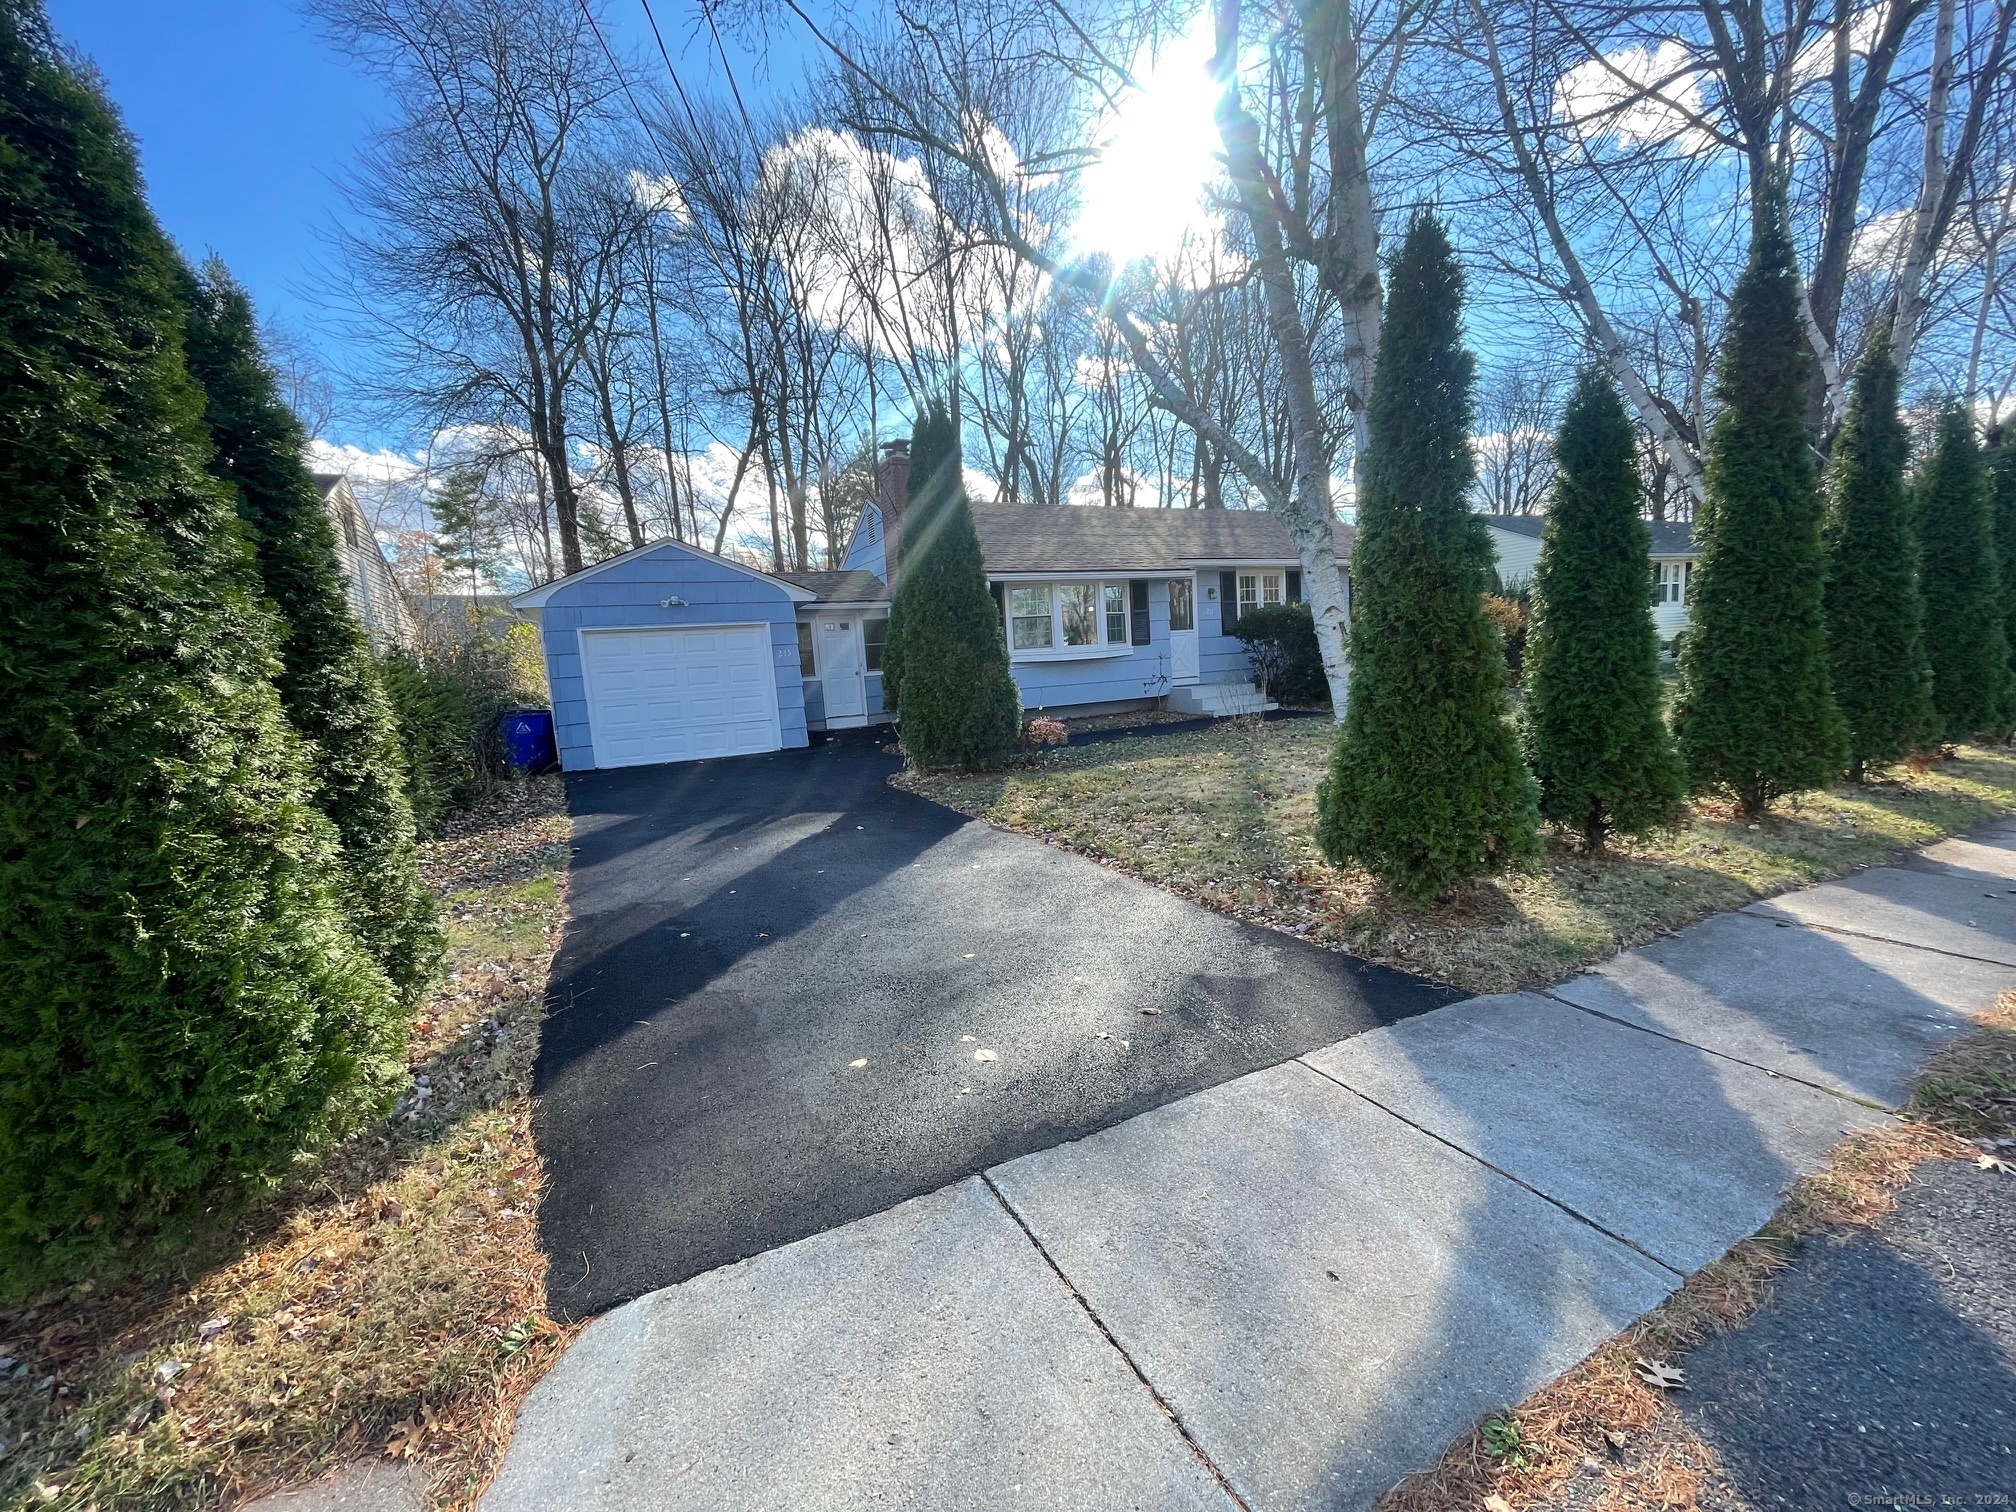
680	695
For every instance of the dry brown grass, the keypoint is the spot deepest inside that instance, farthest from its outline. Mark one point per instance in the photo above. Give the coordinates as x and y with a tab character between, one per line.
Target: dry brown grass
1225	816
390	1297
1615	1437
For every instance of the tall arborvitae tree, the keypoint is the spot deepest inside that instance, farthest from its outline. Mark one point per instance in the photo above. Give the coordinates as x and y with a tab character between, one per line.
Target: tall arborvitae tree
945	664
2002	490
1961	579
185	1003
1594	715
1756	716
328	679
1875	619
1426	786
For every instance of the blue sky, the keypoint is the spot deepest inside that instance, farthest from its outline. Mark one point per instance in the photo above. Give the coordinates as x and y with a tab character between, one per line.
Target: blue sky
245	120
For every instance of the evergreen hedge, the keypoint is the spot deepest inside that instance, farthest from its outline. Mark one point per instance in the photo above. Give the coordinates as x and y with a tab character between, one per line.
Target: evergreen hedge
1875	618
1425	786
945	663
1756	717
1594	714
2002	490
1961	578
185	1004
328	680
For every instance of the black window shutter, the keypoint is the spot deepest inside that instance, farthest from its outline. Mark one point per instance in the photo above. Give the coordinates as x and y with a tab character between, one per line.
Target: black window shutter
1294	586
1137	596
1000	593
1228	601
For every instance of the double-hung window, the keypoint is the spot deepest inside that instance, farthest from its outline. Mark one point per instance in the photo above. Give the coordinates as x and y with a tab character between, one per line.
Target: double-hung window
1257	590
1116	614
1029	618
1670	582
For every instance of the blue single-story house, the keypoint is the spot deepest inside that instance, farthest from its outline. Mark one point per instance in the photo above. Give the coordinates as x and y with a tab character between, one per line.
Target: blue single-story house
668	653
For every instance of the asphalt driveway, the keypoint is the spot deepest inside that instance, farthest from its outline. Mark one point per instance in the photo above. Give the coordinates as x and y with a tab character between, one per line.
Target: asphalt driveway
790	996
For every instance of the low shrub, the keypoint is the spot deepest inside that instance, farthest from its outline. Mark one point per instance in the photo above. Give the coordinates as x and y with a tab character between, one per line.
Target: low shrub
447	701
1045	732
1280	641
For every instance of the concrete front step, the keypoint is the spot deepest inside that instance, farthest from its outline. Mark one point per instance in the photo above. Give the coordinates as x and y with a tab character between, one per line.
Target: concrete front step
1219	700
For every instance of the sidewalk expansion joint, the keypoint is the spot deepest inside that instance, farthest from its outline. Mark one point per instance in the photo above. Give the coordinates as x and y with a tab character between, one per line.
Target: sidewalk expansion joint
1881	939
1203	1456
1674	1039
1579	1217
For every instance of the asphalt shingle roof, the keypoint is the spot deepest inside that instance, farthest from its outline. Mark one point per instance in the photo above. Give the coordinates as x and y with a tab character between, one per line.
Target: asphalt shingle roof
1670	538
1089	538
855	587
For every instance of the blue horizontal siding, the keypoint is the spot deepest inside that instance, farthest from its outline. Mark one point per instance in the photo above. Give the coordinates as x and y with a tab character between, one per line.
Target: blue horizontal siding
1144	671
869	556
628	596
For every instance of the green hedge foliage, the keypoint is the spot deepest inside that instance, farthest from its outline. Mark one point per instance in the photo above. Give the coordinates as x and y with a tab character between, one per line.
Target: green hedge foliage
1875	617
186	1006
945	665
1961	579
1426	786
1756	717
1594	715
328	681
1280	641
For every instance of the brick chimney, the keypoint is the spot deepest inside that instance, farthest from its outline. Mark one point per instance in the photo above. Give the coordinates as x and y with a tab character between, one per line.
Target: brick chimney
892	482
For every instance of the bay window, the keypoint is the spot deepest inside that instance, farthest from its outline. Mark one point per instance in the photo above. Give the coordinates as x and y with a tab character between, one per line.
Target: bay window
1066	618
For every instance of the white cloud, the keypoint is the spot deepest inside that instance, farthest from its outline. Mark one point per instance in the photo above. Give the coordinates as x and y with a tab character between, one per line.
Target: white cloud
1636	96
660	192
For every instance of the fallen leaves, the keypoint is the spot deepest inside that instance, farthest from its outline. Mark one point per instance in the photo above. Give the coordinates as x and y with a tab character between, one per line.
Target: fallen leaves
985	1056
1994	1163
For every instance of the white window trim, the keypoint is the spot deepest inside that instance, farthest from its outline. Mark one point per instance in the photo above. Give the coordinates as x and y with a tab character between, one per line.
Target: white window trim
1103	650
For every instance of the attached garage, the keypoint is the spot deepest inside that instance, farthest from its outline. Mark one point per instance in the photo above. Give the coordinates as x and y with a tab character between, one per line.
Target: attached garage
680	694
668	653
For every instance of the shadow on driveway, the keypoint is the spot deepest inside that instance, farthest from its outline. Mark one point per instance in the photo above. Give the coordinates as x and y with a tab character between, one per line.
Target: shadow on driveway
744	930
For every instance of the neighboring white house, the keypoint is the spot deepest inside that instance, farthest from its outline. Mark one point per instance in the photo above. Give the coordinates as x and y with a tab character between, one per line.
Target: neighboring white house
375	596
1516	539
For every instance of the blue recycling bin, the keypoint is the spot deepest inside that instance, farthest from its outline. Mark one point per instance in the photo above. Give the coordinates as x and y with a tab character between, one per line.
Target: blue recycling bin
528	739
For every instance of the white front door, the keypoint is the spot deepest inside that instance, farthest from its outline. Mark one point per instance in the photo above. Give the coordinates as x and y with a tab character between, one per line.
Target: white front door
1183	630
839	653
681	694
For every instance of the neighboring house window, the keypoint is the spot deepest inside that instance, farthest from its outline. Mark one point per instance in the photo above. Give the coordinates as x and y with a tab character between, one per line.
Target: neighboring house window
806	666
1671	581
1029	610
1182	614
874	634
349	530
1116	614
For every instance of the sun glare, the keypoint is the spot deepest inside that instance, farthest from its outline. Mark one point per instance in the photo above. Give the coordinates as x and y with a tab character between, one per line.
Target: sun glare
1145	196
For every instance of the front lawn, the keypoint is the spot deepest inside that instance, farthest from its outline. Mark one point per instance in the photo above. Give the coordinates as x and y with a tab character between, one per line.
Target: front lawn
1225	816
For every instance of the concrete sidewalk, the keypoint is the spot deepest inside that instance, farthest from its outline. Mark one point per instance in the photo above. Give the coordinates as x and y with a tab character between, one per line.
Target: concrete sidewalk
1292	1289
